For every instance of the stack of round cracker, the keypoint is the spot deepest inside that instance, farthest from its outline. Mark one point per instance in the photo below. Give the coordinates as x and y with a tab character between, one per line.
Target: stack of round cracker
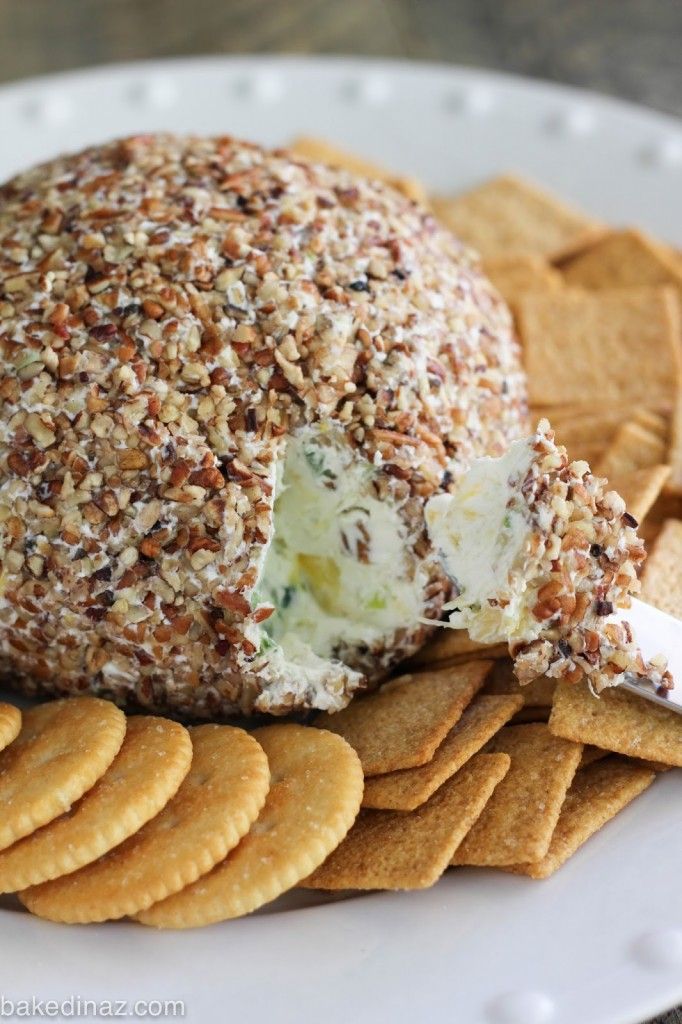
108	817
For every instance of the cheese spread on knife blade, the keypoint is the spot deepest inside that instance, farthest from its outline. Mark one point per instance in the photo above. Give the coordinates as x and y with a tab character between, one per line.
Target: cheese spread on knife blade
541	555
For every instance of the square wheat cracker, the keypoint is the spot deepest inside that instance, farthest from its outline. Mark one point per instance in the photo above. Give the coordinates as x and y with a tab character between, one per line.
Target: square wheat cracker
640	488
516	275
531	713
592	754
619	721
398	850
402	724
322	152
407	789
510	216
597	794
622	259
538	693
655	422
674	485
517	823
611	346
633	447
662	576
448	645
585	435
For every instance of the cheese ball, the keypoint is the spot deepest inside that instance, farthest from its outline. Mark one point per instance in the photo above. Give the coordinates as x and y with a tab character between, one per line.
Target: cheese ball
230	382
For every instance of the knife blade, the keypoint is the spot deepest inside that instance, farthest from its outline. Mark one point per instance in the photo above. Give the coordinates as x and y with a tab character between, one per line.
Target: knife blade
656	632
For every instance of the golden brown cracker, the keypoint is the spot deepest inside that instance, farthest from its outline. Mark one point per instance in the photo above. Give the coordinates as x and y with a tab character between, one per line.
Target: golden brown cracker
591	755
655	422
404	790
531	713
653	766
153	760
585	436
662	575
517	275
10	724
611	346
633	447
623	259
398	850
640	488
215	806
538	693
61	751
597	794
447	645
617	720
606	420
402	724
507	216
517	824
674	484
313	801
319	151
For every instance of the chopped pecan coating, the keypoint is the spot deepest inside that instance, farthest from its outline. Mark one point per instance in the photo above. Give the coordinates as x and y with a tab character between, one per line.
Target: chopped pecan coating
172	309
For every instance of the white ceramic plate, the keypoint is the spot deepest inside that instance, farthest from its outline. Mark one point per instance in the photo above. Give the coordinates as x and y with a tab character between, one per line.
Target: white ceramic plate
601	942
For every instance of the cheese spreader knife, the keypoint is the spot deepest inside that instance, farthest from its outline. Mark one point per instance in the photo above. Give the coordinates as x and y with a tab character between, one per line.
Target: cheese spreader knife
656	632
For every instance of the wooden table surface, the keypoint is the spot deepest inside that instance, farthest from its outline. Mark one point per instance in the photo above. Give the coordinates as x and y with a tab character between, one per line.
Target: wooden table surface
630	48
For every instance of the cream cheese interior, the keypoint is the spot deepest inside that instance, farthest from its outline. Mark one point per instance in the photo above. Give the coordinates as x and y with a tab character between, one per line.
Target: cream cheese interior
340	570
482	534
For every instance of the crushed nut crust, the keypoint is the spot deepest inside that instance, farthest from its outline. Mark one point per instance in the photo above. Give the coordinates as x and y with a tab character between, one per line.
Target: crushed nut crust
581	567
170	310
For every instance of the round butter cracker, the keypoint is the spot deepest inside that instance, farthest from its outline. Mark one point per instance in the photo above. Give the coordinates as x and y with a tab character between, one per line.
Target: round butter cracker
154	759
214	807
10	724
314	798
61	751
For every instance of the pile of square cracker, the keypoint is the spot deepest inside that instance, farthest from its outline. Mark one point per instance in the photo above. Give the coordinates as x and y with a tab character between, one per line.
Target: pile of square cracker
495	775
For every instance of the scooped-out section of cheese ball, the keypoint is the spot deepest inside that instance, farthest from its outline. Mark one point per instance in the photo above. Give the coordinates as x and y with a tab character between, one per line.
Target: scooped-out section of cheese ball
230	382
347	567
541	555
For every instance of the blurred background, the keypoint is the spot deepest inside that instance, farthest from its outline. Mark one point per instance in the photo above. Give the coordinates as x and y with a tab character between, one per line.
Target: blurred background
630	48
